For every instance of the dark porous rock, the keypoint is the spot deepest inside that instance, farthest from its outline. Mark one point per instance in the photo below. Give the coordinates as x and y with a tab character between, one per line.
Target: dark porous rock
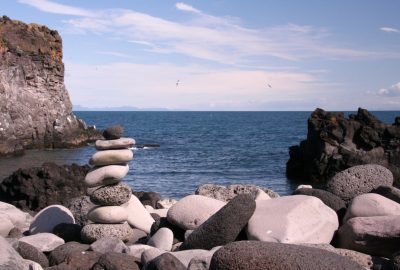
358	180
227	193
138	237
224	226
79	207
328	198
335	143
388	192
377	235
117	194
109	244
256	255
82	259
62	266
93	232
113	132
116	261
179	234
38	187
60	253
68	231
30	252
148	198
395	261
165	261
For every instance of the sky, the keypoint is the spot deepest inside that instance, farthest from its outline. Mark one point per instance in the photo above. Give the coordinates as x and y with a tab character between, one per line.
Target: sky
233	55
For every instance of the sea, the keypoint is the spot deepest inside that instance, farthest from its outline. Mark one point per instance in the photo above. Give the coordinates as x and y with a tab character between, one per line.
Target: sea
195	148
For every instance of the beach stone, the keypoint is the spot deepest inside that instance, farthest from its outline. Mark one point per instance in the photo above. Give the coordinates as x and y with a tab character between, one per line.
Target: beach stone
202	261
109	244
261	195
68	232
165	203
79	207
113	132
116	261
5	225
300	219
62	266
111	195
137	250
111	157
106	175
371	204
108	214
224	226
256	255
365	260
121	143
378	236
138	216
150	254
60	253
148	197
30	252
93	232
328	198
191	211
49	217
138	236
161	222
10	259
15	233
358	180
82	259
165	261
185	256
43	241
17	217
160	212
227	193
162	239
388	192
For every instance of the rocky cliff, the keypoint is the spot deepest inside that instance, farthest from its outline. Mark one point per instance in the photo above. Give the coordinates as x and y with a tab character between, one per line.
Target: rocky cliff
35	108
335	143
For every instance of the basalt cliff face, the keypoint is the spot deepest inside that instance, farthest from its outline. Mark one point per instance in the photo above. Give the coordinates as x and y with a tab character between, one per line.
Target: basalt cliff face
335	143
35	108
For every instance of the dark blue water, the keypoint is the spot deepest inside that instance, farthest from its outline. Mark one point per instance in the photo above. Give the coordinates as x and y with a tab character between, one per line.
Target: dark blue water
201	147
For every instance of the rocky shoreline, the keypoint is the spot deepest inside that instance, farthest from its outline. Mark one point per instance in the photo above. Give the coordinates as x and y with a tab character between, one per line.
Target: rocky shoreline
352	224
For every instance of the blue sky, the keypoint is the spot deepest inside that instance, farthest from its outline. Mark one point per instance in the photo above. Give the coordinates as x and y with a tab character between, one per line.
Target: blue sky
226	54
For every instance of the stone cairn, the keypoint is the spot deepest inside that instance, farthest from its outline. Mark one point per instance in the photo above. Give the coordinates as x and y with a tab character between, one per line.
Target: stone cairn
110	166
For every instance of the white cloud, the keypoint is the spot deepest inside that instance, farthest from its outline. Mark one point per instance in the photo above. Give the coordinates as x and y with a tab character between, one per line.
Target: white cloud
117	54
389	30
52	7
185	7
392	91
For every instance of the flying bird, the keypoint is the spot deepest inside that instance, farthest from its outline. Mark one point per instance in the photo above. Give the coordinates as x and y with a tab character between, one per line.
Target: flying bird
177	83
269	85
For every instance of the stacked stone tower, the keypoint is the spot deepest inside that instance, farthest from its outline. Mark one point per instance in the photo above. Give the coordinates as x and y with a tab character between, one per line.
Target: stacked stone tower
110	162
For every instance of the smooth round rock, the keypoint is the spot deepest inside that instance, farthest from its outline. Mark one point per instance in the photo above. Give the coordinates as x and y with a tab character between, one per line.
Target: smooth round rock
43	241
111	157
224	226
60	253
150	254
30	252
371	204
116	261
358	180
113	132
49	217
191	211
165	261
111	195
138	216
121	143
106	175
293	219
82	260
108	214
10	259
93	232
256	255
162	239
109	244
388	192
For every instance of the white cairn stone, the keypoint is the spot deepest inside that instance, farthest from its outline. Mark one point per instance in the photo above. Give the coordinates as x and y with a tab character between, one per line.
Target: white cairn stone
162	239
49	217
43	241
108	214
293	219
138	216
191	211
111	157
120	143
106	175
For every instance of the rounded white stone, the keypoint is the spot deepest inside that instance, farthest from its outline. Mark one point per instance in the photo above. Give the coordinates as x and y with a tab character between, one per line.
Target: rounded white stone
108	214
111	157
120	143
162	239
106	175
138	216
49	217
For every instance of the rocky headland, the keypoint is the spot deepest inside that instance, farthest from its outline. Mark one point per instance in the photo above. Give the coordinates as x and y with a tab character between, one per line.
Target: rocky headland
35	108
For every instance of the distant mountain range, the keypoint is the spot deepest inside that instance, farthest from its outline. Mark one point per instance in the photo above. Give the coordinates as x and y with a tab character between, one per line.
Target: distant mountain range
118	109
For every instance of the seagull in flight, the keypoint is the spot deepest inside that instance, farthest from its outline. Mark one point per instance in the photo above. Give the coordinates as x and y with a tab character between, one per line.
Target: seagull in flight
269	85
177	83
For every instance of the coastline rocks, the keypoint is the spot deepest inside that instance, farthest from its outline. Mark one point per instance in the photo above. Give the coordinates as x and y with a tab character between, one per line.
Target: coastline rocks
109	244
138	216
111	157
162	239
10	259
191	211
300	219
49	217
148	198
113	132
79	207
255	255
108	214
227	193
30	252
378	236
165	261
224	226
106	175
111	195
360	179
93	232
60	253
43	241
370	204
114	144
116	261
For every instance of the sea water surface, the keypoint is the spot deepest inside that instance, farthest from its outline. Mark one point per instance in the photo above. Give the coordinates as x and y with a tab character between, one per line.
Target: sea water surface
195	148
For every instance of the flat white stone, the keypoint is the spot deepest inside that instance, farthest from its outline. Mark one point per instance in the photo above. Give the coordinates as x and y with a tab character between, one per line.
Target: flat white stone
111	157
49	217
162	239
120	143
293	219
106	175
108	214
138	216
45	242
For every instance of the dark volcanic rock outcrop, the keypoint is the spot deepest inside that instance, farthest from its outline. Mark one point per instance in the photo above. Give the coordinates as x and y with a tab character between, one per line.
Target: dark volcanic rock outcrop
335	143
35	108
38	187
